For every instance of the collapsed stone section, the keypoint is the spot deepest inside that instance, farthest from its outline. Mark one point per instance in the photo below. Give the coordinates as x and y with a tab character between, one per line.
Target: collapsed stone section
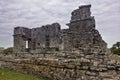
82	32
81	35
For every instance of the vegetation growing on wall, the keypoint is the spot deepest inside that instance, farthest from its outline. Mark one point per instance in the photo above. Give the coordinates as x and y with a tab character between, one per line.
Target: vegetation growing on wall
8	50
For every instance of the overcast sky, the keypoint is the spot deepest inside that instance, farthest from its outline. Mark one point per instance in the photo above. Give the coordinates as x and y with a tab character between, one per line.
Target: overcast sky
35	13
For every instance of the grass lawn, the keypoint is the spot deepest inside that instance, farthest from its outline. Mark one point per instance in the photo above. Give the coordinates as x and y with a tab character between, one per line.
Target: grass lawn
6	74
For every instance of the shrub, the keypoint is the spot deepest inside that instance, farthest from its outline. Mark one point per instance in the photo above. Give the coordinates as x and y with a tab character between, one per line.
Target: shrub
116	48
8	50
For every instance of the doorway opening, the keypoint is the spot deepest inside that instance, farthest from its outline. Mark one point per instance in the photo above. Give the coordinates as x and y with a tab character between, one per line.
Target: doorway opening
26	44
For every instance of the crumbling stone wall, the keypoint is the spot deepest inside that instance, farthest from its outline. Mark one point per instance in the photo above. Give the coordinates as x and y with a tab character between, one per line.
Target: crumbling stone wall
1	50
21	35
66	65
80	34
46	36
41	38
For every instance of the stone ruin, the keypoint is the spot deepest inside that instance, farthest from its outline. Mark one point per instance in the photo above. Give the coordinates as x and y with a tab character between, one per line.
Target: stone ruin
1	49
76	53
81	34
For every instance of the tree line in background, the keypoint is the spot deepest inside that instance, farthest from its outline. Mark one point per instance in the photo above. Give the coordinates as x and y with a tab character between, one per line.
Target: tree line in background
116	48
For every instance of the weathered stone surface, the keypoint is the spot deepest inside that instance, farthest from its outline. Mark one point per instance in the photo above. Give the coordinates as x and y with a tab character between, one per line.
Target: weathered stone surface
59	69
1	50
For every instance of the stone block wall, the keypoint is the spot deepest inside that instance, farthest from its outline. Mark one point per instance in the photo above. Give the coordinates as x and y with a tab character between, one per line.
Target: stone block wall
47	36
22	35
64	65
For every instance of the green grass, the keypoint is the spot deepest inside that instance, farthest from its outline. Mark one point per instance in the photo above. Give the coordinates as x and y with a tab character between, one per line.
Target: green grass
6	74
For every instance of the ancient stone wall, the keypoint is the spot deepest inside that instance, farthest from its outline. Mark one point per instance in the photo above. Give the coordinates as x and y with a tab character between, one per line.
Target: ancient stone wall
21	36
82	13
47	36
80	34
1	49
67	65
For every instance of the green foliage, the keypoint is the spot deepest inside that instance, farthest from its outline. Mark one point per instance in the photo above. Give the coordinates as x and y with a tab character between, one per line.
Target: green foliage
6	74
116	48
8	50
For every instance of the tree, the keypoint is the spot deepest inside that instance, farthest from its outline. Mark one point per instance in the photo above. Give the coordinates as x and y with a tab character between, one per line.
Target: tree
116	48
118	45
8	50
